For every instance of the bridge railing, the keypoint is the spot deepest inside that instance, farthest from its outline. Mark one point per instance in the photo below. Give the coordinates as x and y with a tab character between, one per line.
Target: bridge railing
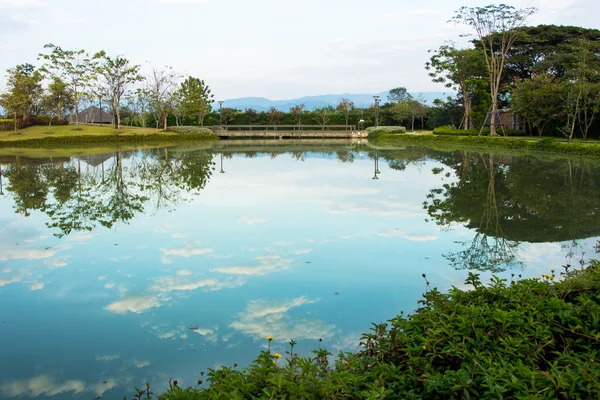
288	128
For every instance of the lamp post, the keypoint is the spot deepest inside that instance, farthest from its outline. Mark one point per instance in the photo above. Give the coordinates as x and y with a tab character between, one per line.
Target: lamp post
376	110
222	170
376	165
221	112
1	192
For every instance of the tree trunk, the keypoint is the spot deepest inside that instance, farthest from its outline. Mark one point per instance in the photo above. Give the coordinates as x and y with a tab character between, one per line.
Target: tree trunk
412	126
165	122
15	123
493	131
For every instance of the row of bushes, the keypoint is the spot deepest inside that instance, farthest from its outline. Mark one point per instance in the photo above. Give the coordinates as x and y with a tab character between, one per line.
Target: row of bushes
104	139
532	338
210	130
375	132
451	131
545	144
9	125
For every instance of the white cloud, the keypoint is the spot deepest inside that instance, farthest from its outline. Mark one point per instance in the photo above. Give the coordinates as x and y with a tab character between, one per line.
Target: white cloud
301	251
57	262
169	284
184	272
7	280
37	286
110	285
415	238
188	2
267	264
252	221
108	357
283	243
25	254
190	250
262	318
166	260
19	4
179	236
42	385
102	278
81	237
133	304
140	364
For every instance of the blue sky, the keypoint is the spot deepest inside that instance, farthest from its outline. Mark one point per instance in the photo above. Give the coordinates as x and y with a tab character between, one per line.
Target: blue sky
269	48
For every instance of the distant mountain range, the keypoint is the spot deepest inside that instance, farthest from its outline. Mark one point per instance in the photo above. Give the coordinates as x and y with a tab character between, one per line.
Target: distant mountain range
311	102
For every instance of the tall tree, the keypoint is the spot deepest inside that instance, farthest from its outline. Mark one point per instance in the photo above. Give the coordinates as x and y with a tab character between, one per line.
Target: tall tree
461	70
252	116
57	99
118	75
298	113
228	114
74	67
494	24
345	107
538	100
24	90
323	115
197	98
399	95
160	86
274	116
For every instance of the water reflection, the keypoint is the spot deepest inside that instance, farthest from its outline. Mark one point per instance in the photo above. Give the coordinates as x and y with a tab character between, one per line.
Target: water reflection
116	254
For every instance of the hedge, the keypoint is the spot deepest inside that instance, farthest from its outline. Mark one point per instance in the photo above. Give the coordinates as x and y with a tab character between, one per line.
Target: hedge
517	339
190	129
545	144
451	131
105	139
8	124
375	132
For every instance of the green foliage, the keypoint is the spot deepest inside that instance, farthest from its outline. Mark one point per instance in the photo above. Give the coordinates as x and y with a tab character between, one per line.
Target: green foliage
533	338
190	129
448	130
197	98
375	132
576	148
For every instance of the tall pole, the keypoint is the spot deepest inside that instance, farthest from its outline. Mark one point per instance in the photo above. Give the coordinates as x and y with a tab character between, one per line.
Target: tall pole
222	171
1	192
376	165
376	110
221	113
100	110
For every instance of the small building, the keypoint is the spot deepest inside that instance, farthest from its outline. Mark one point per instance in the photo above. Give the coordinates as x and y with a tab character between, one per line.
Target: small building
93	115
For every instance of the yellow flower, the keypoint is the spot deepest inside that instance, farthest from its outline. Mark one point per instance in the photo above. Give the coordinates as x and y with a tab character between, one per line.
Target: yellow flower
270	338
547	276
277	355
424	348
274	363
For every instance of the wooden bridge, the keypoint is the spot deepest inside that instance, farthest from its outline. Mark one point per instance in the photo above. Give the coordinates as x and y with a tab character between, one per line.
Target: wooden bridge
289	131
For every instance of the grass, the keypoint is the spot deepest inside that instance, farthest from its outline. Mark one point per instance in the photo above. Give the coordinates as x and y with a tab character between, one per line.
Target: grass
69	134
550	145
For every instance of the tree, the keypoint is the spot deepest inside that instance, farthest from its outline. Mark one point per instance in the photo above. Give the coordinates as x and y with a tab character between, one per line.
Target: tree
197	98
160	87
118	75
57	99
228	114
323	115
252	116
494	24
399	95
275	116
298	113
538	100
24	90
400	112
460	69
74	67
345	107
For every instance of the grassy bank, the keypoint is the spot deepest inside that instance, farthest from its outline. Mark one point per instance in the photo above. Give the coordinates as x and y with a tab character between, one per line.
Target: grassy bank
37	136
532	338
551	145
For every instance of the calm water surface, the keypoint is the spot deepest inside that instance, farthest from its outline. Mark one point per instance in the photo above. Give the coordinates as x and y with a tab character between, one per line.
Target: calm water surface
106	259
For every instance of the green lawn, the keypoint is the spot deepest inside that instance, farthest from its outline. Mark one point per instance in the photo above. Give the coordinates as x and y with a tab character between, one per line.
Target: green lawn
38	132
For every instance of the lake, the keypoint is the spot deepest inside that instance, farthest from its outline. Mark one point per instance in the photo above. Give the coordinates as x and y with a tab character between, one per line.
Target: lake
125	266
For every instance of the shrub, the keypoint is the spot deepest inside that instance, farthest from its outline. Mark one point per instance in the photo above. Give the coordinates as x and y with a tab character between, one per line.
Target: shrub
532	338
386	129
448	130
8	124
189	129
217	129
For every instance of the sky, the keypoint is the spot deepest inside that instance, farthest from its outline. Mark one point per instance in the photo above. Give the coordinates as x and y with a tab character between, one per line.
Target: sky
278	49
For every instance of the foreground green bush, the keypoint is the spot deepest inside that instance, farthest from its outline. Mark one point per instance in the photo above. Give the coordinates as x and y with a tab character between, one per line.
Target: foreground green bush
190	129
533	338
451	131
386	129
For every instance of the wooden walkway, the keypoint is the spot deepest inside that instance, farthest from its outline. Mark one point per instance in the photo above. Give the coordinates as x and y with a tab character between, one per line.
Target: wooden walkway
289	131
